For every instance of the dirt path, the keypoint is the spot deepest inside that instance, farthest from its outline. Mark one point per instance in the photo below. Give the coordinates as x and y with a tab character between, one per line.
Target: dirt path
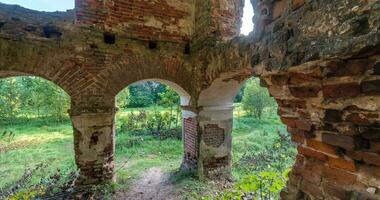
153	184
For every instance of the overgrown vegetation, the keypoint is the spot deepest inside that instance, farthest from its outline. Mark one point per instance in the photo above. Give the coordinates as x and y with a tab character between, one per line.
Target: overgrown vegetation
149	134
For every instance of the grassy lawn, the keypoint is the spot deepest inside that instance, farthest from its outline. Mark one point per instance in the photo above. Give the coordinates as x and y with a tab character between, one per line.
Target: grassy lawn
36	143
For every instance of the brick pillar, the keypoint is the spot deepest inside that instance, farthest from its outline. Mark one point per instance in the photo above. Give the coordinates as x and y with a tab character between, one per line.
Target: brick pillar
207	141
215	128
94	135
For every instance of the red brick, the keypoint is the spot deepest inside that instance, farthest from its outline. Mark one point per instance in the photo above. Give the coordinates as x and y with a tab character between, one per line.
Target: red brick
300	78
317	145
368	157
305	134
298	104
338	176
291	122
298	138
335	191
371	158
350	68
279	79
304	125
312	172
341	163
311	189
344	141
304	91
312	153
341	90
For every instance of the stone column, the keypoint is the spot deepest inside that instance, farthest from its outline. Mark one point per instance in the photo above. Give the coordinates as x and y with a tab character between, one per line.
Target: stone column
94	143
215	128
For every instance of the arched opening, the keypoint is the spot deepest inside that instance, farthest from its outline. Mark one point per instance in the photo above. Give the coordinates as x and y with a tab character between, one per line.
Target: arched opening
42	5
256	146
36	138
262	150
247	23
149	138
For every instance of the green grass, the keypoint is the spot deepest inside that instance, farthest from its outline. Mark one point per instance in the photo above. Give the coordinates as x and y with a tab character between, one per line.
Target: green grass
33	144
53	144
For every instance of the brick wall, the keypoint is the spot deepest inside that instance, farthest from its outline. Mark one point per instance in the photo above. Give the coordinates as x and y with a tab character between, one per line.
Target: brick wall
190	139
163	20
216	20
332	113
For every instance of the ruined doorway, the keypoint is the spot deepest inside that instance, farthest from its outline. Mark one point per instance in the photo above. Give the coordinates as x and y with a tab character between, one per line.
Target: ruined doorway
262	151
149	136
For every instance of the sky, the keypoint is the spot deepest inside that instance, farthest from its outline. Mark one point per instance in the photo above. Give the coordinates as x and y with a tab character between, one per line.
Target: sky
63	5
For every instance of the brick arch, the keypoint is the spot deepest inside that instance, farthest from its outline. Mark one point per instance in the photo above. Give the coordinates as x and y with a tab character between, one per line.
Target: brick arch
171	69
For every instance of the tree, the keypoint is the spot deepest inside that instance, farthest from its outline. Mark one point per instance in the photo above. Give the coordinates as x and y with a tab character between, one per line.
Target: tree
122	98
31	97
256	99
170	98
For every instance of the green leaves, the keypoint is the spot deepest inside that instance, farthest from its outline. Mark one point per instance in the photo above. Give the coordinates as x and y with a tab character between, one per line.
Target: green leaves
31	97
256	99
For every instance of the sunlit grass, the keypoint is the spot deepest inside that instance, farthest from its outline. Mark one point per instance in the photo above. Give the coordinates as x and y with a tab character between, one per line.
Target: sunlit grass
53	144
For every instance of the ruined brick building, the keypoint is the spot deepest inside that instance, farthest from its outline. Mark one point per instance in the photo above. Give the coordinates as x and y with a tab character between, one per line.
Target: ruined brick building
320	59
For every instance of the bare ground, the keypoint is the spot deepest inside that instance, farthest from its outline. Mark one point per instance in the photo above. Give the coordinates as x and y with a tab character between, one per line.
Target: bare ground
152	184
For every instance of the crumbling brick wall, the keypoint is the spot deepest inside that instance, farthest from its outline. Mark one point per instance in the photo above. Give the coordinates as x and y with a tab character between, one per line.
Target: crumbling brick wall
164	20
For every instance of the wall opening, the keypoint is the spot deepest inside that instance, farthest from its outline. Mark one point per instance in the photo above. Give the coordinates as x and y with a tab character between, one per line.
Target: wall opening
36	138
261	146
149	131
42	5
247	25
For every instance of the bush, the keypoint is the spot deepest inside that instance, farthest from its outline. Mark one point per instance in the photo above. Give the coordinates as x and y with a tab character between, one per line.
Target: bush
153	123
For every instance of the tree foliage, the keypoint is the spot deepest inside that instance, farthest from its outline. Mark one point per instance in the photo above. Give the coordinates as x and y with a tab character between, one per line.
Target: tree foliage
31	97
256	99
144	94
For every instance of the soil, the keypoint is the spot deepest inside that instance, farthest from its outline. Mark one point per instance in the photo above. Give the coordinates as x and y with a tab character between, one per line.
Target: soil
152	184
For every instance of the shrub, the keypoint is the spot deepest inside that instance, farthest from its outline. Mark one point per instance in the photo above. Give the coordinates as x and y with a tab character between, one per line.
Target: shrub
153	123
